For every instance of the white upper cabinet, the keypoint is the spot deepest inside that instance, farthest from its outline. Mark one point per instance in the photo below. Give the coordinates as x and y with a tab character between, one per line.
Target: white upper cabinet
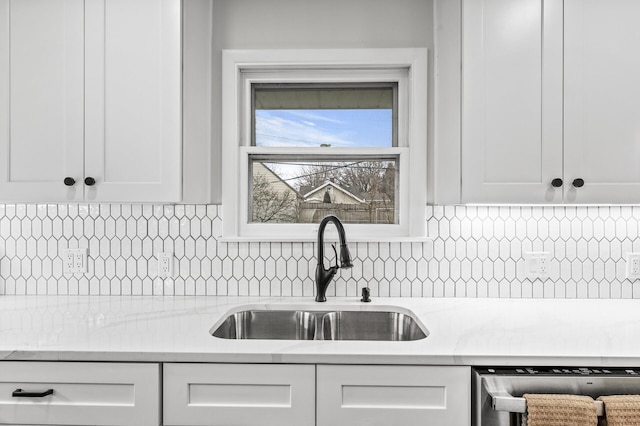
41	99
512	100
602	100
133	103
549	99
90	89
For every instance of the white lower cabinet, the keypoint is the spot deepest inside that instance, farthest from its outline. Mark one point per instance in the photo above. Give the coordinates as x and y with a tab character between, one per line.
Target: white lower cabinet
78	393
323	395
389	395
239	394
190	394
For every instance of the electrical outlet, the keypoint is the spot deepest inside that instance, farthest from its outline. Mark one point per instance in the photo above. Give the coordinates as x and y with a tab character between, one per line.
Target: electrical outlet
537	264
74	261
542	265
165	264
633	266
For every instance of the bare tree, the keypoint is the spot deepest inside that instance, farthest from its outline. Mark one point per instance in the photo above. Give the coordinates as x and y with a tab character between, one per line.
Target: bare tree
270	205
375	182
314	175
389	182
366	178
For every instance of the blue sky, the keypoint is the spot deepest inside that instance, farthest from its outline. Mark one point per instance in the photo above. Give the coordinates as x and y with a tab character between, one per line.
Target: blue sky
339	128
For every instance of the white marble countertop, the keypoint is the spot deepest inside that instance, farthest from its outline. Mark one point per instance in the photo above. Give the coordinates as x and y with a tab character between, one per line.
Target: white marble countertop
461	331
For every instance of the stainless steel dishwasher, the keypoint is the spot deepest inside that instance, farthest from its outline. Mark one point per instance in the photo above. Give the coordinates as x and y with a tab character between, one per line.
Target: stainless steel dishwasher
497	392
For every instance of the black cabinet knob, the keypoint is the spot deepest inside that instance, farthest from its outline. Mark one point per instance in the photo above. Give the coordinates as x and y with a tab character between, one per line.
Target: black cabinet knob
89	181
578	183
69	181
556	183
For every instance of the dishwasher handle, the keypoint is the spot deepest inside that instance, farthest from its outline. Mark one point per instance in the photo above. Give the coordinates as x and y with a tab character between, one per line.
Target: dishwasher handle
504	401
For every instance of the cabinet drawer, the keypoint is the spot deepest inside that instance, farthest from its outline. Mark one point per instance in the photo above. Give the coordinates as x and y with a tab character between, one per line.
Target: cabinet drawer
239	394
83	393
388	395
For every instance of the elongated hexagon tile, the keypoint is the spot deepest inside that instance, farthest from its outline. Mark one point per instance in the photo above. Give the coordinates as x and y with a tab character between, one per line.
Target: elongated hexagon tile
584	242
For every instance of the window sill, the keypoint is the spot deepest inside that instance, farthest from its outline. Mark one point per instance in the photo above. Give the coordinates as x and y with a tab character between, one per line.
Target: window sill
313	239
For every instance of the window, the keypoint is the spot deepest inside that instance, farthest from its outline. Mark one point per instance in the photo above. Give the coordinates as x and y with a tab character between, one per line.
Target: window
350	114
317	132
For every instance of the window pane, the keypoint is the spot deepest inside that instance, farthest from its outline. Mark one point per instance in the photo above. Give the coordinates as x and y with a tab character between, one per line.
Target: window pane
305	191
312	116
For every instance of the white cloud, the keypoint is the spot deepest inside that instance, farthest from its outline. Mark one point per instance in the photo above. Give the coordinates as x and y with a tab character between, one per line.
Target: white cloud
311	116
276	131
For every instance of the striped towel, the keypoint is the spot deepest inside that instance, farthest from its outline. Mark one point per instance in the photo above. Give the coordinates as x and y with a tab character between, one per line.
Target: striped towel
559	410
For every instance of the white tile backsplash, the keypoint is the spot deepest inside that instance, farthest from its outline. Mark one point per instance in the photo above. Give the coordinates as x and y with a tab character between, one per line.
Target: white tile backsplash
476	251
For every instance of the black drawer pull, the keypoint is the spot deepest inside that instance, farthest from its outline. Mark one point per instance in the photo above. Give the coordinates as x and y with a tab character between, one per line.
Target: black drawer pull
19	393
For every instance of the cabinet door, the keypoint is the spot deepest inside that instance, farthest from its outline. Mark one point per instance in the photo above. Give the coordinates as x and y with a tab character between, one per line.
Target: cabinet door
81	393
41	99
239	394
133	100
393	395
512	100
602	100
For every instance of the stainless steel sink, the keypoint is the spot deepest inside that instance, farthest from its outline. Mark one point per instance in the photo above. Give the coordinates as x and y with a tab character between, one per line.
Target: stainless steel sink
270	324
259	324
370	325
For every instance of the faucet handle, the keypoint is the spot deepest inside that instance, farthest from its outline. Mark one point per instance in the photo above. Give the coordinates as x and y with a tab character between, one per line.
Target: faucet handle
336	253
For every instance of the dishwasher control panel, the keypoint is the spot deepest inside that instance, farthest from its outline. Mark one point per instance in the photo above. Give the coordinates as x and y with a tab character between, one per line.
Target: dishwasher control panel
558	371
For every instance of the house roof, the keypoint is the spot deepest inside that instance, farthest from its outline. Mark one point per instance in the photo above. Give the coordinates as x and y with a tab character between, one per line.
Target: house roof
335	186
263	167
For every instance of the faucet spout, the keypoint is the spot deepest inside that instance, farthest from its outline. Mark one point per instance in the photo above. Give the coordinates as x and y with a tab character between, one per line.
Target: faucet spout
324	276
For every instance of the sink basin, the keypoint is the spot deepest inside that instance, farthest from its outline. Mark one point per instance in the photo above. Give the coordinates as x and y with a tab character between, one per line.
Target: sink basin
303	324
259	324
370	325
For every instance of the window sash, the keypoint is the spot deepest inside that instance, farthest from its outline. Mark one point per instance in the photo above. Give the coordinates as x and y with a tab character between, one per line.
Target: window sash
398	77
360	206
304	230
368	95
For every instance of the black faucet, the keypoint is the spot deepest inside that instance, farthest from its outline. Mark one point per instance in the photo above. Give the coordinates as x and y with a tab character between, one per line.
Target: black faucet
324	276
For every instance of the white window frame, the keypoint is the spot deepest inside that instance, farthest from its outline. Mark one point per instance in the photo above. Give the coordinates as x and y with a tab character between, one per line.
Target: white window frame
242	68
